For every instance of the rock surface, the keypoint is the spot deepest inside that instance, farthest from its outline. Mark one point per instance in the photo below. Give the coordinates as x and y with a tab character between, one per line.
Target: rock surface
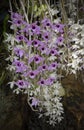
15	114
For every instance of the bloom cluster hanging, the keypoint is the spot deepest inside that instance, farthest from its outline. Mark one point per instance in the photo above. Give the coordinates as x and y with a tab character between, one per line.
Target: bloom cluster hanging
72	53
39	52
35	62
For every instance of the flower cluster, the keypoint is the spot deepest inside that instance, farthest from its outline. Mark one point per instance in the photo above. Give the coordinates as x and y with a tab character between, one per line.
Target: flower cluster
72	52
38	51
35	61
77	48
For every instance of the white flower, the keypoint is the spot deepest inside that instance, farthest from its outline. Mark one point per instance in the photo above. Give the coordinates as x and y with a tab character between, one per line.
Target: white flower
74	55
75	26
11	84
53	75
54	11
10	38
82	42
52	58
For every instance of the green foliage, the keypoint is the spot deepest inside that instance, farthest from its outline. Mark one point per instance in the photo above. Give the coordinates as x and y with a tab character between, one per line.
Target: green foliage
39	11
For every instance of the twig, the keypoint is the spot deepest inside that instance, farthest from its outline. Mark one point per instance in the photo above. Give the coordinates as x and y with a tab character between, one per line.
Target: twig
23	8
48	9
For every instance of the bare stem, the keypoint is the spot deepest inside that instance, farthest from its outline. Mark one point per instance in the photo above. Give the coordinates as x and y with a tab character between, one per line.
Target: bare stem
32	11
48	9
23	8
40	1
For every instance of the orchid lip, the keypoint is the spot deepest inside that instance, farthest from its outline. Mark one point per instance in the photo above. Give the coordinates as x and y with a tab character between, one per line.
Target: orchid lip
19	21
42	82
44	67
36	59
18	64
48	24
46	36
31	73
33	27
21	83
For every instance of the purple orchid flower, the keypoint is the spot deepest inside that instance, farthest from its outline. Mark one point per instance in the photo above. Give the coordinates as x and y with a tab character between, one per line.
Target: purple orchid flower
60	40
38	59
35	101
50	81
19	37
46	22
17	19
53	66
18	52
32	74
53	52
46	36
59	27
42	68
18	22
35	28
28	42
16	16
22	83
36	43
20	66
42	82
44	49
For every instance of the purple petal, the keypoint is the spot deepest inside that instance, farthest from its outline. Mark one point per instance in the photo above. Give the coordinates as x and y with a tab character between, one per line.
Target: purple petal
34	102
22	84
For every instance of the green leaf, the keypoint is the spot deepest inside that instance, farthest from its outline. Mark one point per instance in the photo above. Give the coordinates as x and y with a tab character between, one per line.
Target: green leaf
35	8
